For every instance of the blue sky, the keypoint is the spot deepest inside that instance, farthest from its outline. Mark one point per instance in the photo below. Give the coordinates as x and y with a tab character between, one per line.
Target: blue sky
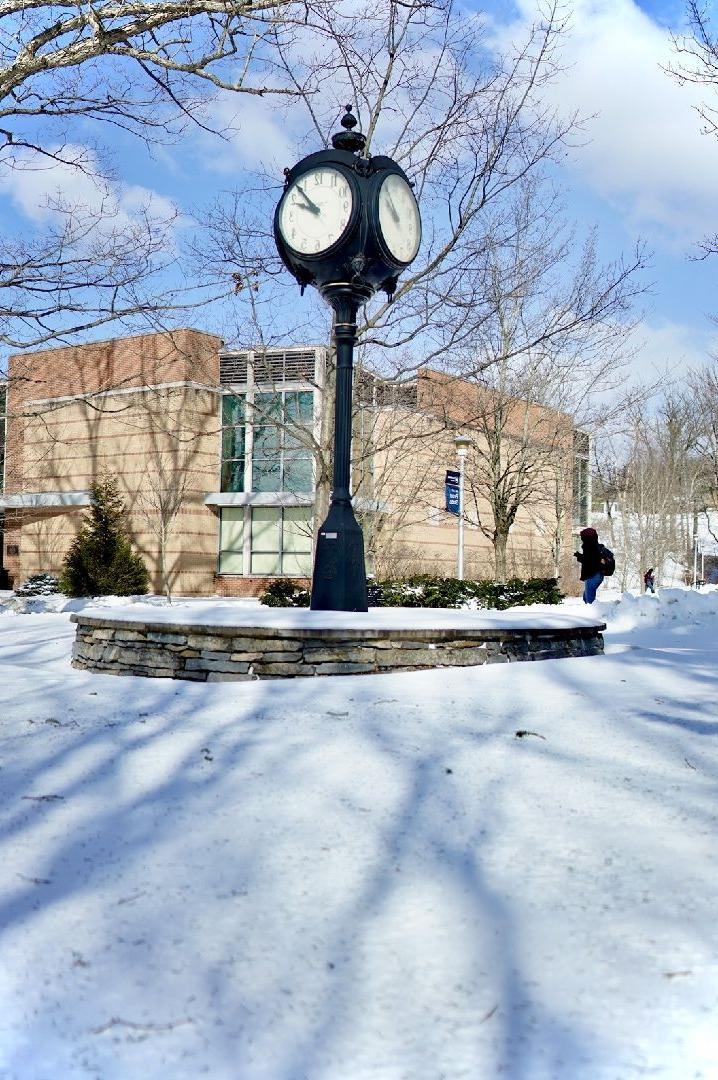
643	170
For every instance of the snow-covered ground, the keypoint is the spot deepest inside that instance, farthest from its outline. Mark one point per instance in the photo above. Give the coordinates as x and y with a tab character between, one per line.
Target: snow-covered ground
369	877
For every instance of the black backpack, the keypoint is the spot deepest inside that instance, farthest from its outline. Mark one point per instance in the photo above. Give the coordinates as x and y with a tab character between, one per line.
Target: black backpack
607	561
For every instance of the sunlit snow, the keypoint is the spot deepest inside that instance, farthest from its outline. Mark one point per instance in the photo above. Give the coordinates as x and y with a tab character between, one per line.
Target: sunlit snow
477	873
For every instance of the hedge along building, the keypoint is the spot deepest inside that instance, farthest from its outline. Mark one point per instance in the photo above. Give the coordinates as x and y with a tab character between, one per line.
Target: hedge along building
219	457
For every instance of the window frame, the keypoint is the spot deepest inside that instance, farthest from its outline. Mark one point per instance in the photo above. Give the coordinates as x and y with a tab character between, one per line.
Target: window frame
288	448
247	516
282	454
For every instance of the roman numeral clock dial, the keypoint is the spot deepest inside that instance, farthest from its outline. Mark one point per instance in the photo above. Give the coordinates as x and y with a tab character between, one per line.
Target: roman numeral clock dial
316	210
399	221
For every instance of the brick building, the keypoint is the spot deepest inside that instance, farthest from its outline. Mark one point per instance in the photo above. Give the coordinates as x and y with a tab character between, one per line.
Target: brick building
216	455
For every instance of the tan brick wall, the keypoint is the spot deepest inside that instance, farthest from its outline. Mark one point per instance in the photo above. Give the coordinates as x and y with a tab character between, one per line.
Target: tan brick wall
160	441
418	535
146	440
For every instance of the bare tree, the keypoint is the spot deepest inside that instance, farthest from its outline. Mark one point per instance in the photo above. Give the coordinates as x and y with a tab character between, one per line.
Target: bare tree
702	392
474	135
652	481
137	66
697	64
554	343
467	129
145	69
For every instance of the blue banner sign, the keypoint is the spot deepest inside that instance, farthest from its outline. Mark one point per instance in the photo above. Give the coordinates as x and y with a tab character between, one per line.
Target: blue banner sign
452	478
452	498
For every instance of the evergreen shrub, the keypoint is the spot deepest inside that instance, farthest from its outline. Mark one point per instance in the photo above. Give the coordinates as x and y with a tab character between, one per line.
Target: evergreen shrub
101	561
425	591
285	593
39	585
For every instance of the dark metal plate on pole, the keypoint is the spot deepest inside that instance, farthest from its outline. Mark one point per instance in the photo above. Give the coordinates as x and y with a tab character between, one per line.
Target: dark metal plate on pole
339	581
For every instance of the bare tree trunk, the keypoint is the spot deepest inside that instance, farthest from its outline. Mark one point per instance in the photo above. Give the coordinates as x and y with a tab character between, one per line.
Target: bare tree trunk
500	543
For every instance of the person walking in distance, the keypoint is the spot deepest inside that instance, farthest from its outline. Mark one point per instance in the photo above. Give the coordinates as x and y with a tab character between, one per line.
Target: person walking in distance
649	580
591	558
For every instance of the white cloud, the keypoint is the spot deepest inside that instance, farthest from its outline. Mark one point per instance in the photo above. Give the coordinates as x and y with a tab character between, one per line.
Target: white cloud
259	135
35	190
645	152
667	349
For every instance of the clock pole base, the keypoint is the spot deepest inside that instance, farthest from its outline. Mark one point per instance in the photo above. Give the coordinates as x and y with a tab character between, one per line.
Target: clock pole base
339	581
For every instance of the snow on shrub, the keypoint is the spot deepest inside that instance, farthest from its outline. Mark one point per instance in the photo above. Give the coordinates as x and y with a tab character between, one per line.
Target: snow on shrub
39	585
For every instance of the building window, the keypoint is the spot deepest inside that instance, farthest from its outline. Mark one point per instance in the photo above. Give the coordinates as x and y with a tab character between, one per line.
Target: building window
280	541
275	430
233	442
281	458
231	540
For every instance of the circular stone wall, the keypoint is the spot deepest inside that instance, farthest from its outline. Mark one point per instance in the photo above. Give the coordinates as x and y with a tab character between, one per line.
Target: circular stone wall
211	653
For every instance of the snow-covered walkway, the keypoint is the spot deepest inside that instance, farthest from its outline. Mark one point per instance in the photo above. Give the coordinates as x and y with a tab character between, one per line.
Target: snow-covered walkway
365	878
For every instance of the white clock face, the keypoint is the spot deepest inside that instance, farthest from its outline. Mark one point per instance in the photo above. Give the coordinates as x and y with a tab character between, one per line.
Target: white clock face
316	210
399	218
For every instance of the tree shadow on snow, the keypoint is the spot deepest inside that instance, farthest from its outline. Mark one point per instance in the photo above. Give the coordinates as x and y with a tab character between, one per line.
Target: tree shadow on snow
297	875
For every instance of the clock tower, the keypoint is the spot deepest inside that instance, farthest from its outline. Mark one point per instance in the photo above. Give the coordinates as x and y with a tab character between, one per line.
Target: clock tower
348	224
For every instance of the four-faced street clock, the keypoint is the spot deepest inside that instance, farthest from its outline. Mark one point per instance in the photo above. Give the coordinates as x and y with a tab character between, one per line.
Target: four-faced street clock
347	224
347	218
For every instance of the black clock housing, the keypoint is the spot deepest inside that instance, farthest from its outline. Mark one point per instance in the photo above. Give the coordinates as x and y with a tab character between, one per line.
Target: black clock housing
359	256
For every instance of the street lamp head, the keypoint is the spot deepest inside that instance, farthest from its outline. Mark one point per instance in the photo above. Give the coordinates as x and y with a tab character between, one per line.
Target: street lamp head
462	443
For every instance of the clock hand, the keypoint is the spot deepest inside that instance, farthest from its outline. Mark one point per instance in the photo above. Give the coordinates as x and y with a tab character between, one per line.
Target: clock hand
310	205
393	209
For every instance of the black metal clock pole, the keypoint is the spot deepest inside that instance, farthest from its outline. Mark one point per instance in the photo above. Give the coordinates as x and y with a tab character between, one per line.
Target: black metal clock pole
348	224
339	581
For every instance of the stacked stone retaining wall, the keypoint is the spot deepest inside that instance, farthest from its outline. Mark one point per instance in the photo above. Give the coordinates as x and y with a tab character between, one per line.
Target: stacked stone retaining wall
221	653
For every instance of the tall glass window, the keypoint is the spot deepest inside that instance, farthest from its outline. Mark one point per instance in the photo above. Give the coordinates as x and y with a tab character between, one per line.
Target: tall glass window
231	540
281	458
281	424
233	442
280	541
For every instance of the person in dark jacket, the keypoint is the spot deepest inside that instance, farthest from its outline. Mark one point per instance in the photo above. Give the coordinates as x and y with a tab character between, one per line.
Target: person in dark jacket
590	560
649	580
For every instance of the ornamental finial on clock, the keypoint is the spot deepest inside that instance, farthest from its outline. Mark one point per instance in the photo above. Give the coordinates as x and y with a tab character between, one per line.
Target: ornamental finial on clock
350	140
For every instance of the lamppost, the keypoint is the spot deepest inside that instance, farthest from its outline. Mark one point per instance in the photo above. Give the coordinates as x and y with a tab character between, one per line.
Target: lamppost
462	443
348	224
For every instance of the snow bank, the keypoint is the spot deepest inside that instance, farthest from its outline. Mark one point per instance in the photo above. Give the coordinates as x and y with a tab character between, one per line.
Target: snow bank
622	612
502	872
38	605
682	606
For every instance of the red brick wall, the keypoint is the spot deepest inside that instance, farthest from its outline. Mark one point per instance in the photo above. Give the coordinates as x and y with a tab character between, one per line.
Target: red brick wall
143	360
229	585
